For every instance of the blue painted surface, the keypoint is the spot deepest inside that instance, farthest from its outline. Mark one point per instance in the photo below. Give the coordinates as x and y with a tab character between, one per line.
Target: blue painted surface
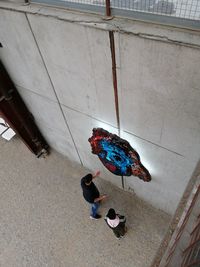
115	158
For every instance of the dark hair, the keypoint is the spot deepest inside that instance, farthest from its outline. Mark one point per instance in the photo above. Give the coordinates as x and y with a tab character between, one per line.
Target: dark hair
111	214
88	178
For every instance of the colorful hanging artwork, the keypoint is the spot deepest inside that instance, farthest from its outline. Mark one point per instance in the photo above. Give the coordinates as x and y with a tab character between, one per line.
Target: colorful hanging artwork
117	155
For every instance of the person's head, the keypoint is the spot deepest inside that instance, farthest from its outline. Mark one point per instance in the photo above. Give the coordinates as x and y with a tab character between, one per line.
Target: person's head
88	179
111	214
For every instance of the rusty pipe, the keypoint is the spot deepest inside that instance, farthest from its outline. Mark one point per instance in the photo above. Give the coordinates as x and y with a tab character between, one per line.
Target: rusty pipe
108	9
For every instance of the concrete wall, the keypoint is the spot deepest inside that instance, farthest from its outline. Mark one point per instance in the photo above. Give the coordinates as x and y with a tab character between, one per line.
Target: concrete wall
60	62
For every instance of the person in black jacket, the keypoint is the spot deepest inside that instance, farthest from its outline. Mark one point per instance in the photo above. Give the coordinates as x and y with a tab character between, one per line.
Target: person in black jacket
116	222
91	194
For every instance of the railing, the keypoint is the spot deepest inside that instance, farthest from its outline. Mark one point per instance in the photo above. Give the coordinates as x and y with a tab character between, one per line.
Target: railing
192	253
181	12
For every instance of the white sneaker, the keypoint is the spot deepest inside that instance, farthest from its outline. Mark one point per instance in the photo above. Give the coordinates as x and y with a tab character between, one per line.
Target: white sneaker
96	217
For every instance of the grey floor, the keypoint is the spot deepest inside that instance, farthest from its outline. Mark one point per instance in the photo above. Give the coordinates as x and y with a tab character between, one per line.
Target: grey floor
44	220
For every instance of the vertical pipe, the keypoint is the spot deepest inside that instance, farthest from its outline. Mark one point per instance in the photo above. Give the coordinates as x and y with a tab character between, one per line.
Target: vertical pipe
122	181
114	75
108	10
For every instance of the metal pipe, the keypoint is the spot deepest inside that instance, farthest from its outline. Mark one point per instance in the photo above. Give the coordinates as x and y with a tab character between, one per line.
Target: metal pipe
108	9
114	74
122	181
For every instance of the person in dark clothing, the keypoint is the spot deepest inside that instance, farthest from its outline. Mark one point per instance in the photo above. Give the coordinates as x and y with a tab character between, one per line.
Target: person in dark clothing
116	222
91	194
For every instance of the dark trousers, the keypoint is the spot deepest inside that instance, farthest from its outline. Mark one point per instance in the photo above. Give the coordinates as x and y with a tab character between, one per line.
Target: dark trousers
120	230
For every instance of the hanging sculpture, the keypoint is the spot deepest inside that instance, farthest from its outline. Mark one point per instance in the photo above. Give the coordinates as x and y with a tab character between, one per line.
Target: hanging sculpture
117	155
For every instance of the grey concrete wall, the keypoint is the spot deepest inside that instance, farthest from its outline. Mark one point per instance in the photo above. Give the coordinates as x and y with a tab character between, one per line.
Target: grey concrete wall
60	62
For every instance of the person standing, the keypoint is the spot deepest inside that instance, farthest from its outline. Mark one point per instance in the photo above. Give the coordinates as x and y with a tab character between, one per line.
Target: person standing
91	194
116	222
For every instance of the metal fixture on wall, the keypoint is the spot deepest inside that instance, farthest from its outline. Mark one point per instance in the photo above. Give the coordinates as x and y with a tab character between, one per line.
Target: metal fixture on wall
17	115
108	10
114	73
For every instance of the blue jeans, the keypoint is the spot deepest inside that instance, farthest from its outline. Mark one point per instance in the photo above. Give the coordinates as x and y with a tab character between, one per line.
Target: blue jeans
94	209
